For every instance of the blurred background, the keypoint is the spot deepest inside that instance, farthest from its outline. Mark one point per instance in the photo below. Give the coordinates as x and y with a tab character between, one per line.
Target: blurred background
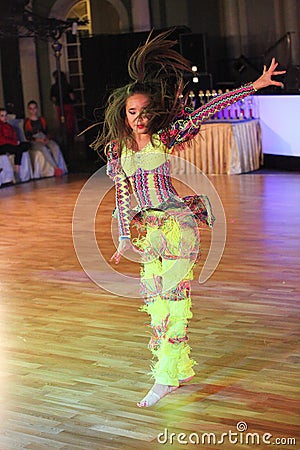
228	42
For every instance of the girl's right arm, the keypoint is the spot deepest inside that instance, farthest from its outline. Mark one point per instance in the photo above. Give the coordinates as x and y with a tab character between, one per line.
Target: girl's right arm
115	172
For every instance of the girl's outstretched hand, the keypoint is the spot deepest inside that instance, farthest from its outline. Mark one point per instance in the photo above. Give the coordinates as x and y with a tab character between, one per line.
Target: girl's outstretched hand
266	78
124	245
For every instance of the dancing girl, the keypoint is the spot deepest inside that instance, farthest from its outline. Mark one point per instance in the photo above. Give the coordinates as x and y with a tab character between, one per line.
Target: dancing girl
143	122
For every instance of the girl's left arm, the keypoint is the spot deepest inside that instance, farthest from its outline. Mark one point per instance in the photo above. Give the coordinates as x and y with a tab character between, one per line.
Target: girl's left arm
224	100
220	102
188	124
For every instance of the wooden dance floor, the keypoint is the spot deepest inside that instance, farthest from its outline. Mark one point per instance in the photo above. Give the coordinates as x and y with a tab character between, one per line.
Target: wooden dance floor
74	358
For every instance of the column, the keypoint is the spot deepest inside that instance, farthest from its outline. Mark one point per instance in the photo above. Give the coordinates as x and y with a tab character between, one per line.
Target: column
231	27
29	71
140	15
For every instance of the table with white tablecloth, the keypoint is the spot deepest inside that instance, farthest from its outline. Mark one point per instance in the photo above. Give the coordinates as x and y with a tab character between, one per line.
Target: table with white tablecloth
222	147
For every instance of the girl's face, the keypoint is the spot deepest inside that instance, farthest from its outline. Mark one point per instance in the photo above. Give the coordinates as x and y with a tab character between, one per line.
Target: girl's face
137	121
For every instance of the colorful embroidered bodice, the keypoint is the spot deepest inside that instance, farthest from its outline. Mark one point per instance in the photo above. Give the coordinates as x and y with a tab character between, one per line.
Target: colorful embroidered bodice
148	170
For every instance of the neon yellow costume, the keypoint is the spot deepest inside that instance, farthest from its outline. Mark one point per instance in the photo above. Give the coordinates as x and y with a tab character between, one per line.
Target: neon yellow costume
170	243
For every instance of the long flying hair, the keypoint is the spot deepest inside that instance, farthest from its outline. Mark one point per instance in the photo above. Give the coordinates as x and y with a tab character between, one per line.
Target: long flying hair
157	71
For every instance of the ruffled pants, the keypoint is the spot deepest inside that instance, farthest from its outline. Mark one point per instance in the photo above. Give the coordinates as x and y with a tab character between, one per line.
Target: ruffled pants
170	247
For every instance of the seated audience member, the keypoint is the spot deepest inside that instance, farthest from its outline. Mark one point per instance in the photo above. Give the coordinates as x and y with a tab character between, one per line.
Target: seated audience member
9	142
36	131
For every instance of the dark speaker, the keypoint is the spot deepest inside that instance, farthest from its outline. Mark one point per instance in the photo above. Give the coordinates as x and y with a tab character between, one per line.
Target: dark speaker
193	47
292	79
104	60
11	76
13	7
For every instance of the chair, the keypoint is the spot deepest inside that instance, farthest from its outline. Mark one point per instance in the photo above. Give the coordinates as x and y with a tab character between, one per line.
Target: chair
7	173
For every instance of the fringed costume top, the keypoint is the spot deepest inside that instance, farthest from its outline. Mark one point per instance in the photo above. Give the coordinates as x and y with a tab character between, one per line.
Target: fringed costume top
148	171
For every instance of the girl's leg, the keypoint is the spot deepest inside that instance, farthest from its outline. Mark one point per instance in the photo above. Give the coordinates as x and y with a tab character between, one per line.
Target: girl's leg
172	350
166	288
169	312
157	308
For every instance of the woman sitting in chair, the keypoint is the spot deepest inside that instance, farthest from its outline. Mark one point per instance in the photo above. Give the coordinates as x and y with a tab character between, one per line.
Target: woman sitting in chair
36	131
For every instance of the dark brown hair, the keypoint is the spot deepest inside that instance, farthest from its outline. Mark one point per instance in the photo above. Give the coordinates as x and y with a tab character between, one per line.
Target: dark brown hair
157	71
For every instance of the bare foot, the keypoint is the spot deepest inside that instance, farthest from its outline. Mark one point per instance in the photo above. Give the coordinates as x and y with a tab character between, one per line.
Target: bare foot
157	392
